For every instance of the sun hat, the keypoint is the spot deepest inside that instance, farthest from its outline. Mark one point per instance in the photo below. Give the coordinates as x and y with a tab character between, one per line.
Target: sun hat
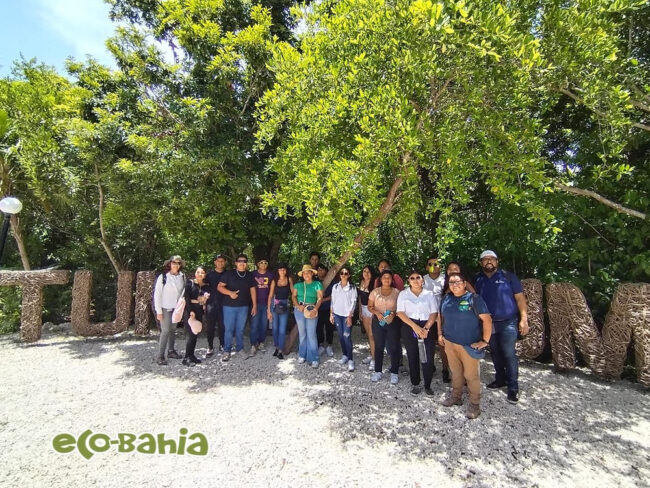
306	267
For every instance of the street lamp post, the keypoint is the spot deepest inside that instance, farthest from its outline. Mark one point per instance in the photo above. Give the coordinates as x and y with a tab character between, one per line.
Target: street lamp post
9	206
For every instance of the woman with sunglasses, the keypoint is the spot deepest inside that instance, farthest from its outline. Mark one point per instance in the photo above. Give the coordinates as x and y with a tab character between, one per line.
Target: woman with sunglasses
344	301
465	333
418	308
278	307
307	296
197	292
382	303
169	287
239	288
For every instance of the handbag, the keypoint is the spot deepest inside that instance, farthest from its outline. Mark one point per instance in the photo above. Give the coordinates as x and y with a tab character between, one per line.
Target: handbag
280	306
177	314
194	324
310	311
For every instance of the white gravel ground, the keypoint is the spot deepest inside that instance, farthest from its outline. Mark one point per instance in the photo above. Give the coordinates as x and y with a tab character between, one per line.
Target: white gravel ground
278	423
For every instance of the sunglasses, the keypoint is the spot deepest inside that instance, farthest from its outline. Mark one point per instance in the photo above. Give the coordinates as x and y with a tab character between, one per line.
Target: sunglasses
344	273
456	282
415	278
263	262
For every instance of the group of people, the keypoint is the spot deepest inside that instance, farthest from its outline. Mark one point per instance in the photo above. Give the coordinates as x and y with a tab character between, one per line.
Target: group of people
447	309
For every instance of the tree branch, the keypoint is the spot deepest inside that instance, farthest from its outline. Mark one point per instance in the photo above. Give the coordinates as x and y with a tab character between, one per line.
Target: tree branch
592	194
596	111
18	237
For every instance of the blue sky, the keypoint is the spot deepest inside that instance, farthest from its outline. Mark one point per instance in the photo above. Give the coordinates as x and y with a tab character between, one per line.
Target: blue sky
53	30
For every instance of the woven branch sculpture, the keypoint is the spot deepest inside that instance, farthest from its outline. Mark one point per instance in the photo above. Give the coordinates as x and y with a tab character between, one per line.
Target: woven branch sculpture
81	297
532	345
143	292
31	319
570	318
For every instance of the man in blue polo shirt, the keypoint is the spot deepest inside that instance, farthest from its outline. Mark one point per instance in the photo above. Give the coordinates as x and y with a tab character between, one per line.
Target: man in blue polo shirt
502	292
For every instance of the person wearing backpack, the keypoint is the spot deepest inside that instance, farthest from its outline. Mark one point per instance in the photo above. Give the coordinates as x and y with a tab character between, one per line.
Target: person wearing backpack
465	329
169	287
502	292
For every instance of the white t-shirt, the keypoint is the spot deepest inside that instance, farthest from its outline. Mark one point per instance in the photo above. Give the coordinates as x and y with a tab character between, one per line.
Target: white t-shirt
343	299
436	285
417	307
166	297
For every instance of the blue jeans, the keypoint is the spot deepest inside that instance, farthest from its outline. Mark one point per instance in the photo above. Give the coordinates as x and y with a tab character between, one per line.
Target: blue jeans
279	328
342	328
308	346
234	321
259	324
502	348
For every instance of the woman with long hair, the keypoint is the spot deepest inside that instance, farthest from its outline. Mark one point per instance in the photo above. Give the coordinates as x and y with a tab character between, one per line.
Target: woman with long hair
197	292
366	285
344	301
168	289
278	306
382	303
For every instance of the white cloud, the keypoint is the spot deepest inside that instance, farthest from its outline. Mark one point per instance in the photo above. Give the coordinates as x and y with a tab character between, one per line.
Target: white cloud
83	24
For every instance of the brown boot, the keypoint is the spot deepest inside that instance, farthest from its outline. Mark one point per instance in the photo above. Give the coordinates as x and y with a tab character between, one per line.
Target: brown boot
453	399
473	410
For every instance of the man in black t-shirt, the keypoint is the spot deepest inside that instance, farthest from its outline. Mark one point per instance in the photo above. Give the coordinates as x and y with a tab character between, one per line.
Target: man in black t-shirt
214	310
240	294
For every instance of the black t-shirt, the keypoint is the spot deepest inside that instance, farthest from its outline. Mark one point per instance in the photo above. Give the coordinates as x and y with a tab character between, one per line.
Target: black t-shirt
212	279
234	281
282	292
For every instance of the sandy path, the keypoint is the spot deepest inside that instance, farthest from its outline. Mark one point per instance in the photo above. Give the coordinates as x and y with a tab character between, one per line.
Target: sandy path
271	422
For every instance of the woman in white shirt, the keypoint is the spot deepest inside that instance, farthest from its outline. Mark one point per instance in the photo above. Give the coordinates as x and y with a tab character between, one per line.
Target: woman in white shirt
344	300
418	309
169	287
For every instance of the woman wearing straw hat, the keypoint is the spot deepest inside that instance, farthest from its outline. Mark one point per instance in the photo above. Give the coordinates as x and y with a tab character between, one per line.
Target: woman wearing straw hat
169	287
307	296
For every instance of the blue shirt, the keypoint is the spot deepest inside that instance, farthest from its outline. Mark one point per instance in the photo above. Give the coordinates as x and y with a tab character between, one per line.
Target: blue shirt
499	294
461	324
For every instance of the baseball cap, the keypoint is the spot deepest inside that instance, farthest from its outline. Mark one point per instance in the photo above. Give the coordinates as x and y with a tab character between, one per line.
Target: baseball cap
488	254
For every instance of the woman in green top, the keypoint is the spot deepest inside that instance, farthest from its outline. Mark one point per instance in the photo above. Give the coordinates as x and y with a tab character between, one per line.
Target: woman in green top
307	297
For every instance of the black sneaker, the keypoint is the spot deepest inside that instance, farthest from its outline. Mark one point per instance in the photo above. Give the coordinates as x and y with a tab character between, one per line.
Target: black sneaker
428	391
446	378
495	384
513	397
280	355
186	362
195	360
416	390
173	355
275	353
161	362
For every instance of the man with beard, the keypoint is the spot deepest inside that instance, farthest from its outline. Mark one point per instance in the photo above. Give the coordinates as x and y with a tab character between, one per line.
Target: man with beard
502	292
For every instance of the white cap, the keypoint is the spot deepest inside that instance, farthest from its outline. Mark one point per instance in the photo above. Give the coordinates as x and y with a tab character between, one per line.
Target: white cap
488	254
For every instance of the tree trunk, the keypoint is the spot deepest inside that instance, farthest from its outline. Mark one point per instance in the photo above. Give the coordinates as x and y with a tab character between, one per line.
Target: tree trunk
18	236
107	249
380	217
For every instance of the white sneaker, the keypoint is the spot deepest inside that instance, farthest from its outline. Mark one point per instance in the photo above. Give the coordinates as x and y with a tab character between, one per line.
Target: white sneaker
329	351
376	376
261	347
371	366
252	352
314	364
343	361
321	350
301	360
367	360
394	379
350	365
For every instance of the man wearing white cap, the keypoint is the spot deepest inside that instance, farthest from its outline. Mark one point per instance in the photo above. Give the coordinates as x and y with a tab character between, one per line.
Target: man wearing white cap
502	292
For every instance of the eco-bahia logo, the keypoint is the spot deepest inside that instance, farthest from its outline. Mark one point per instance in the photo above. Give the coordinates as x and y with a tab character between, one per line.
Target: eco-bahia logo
89	443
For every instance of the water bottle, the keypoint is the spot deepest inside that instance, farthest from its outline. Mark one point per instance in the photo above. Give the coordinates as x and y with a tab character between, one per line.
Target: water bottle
422	350
386	314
